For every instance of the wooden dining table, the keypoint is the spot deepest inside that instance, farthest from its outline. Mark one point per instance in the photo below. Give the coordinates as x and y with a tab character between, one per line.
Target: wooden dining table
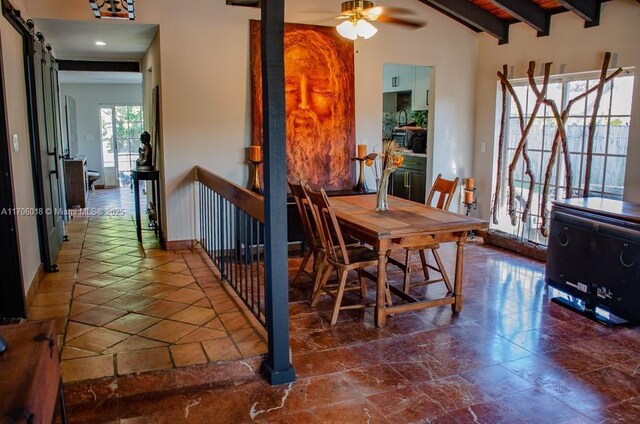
405	224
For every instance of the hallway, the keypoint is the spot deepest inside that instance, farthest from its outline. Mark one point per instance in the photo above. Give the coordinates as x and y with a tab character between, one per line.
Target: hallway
124	308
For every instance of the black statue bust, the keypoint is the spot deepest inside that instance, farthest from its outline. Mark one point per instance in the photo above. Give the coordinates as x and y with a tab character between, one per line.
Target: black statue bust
145	150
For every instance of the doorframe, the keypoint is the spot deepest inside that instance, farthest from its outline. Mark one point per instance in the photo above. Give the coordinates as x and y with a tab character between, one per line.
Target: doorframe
116	158
12	296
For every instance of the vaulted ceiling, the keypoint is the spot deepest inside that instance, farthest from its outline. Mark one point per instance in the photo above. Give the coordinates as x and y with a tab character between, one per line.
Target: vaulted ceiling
495	16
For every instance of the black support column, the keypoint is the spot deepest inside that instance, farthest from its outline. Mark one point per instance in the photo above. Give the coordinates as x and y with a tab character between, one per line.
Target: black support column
277	368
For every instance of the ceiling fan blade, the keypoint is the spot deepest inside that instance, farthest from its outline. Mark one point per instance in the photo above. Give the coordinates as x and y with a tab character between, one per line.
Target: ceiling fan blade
398	21
381	10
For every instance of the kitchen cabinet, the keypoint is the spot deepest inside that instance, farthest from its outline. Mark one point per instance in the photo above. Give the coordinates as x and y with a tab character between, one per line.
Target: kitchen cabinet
410	181
420	93
397	78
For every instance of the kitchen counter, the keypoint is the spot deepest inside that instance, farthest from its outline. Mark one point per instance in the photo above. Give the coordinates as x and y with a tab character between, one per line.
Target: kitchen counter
411	153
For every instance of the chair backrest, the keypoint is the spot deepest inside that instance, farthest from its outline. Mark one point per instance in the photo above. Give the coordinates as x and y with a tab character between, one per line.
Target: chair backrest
330	233
304	211
445	190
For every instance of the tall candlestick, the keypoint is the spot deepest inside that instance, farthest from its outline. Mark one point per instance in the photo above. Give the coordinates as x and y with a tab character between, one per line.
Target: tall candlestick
468	197
255	153
470	183
362	150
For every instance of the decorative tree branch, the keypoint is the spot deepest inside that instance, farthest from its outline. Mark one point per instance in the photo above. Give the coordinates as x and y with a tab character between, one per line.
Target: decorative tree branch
560	143
521	148
560	140
592	124
501	137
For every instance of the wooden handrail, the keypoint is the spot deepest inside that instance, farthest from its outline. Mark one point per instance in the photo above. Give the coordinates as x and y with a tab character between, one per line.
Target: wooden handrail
244	199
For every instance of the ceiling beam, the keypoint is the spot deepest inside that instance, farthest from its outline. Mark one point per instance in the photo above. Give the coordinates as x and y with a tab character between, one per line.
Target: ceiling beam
527	12
589	10
472	15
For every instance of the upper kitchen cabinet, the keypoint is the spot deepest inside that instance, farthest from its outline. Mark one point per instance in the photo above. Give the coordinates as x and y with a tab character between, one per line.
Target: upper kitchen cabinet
397	78
408	78
420	92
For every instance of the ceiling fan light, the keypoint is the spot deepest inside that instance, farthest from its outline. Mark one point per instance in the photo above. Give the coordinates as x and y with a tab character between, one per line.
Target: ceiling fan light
348	30
365	29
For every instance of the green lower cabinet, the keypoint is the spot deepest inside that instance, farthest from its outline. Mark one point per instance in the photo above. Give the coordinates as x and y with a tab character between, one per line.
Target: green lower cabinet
417	187
410	181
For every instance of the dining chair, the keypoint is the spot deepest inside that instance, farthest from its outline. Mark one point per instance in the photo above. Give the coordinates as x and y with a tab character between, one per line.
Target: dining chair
311	234
338	257
444	190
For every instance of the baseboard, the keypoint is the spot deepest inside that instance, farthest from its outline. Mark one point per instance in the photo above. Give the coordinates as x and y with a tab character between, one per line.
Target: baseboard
506	241
179	244
98	186
35	283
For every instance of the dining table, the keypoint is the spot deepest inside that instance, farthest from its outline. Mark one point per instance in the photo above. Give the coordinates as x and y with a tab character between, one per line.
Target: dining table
406	224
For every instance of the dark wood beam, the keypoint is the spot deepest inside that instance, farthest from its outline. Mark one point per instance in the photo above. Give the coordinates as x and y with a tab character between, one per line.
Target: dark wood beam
589	10
98	66
475	16
527	12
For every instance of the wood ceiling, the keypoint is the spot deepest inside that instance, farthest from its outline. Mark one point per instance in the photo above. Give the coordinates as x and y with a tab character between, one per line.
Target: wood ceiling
495	16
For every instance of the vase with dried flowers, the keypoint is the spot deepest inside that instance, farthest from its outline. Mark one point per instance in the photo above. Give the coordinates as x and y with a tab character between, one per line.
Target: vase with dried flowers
385	164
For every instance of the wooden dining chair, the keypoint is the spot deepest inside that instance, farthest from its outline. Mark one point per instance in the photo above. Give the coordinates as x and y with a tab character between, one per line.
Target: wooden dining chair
444	190
337	256
312	238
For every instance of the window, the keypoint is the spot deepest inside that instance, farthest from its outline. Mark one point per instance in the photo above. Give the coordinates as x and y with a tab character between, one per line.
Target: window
609	146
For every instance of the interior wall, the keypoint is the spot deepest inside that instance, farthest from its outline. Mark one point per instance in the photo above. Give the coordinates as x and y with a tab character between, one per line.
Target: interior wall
151	77
18	125
572	48
205	86
88	98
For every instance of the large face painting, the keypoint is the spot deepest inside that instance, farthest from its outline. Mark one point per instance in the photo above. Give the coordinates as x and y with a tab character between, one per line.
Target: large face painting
319	92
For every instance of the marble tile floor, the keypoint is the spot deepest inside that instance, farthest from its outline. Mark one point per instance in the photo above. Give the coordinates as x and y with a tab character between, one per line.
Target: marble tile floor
510	356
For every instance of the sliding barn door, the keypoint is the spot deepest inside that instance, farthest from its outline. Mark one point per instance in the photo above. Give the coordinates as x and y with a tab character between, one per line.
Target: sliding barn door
47	147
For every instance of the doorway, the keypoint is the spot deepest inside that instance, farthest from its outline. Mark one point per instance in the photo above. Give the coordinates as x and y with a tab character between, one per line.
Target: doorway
120	129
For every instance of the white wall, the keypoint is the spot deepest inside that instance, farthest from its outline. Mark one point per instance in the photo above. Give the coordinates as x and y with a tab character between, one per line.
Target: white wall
572	48
16	102
88	98
152	76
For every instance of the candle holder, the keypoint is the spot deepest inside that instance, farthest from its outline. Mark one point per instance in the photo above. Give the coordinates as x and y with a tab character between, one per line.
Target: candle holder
469	207
361	185
254	186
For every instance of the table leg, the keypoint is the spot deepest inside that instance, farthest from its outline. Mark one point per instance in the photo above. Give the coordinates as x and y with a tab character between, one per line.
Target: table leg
380	316
158	213
136	197
457	285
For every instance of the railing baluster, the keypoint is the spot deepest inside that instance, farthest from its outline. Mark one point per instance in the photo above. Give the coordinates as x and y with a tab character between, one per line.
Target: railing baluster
233	238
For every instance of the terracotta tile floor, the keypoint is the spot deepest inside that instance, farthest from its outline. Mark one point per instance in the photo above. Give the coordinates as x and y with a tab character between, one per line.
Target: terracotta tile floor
125	308
510	356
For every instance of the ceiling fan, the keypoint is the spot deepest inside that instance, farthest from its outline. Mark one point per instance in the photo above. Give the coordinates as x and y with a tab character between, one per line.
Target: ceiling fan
358	15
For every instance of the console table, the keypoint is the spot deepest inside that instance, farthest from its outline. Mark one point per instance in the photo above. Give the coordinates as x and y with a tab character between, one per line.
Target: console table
30	384
76	183
154	176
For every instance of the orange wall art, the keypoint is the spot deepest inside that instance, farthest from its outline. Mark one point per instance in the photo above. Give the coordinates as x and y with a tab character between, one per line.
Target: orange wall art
320	97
